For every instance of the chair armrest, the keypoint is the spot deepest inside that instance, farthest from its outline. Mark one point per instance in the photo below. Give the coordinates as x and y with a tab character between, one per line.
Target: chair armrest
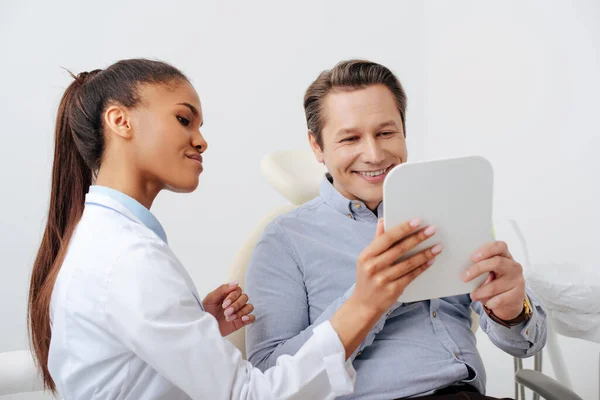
545	386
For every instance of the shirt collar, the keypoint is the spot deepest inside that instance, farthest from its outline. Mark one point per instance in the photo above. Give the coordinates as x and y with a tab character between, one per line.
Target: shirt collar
133	206
354	209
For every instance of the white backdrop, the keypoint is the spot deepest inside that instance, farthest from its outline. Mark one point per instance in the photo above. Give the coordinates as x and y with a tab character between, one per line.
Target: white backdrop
515	81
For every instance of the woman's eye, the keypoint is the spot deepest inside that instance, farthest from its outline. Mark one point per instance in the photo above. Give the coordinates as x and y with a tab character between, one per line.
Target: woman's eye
183	121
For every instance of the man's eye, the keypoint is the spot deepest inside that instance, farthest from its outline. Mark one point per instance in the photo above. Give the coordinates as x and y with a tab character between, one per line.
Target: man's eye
350	139
387	133
183	121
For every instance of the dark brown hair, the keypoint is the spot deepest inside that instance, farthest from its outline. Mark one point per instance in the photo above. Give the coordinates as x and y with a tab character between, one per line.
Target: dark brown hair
348	75
78	151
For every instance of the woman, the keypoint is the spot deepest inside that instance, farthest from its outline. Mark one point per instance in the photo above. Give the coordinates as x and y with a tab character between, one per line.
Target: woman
112	312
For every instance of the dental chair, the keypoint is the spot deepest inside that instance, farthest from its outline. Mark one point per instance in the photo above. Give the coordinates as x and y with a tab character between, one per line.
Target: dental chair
296	175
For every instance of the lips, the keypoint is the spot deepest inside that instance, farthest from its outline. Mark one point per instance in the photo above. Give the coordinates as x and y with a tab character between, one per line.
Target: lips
195	156
376	172
197	159
374	176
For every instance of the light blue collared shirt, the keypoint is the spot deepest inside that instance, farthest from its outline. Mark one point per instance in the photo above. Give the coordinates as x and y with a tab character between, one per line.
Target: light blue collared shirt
304	268
135	207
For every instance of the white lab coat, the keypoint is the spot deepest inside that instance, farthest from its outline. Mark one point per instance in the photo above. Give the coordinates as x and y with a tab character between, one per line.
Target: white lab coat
127	324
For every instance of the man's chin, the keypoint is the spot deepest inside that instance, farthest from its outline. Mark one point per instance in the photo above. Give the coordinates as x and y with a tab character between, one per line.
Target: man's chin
369	197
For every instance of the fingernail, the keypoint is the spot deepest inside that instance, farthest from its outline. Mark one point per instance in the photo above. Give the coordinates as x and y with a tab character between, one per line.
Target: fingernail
234	283
245	318
227	303
478	256
416	222
232	318
466	275
437	249
229	311
430	262
430	230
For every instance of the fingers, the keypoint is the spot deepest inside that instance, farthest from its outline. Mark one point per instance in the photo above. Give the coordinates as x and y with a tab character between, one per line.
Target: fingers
406	279
217	295
231	313
497	264
491	277
489	250
231	297
380	228
491	289
424	258
511	298
404	246
244	314
387	239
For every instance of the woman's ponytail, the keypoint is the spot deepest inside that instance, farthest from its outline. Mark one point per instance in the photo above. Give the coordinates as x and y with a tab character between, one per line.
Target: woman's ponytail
71	179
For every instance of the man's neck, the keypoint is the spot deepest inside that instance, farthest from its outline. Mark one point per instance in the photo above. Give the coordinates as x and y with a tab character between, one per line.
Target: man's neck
371	205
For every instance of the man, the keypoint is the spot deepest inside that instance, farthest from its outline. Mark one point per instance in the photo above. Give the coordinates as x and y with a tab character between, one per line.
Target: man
303	267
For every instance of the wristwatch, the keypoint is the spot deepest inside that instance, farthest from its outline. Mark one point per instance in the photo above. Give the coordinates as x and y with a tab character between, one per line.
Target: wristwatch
524	316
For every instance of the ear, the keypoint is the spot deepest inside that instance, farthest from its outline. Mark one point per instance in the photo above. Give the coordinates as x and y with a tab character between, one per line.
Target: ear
117	121
315	147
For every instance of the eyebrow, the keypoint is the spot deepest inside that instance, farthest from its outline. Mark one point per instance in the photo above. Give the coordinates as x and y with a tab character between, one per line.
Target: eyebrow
346	131
193	109
390	124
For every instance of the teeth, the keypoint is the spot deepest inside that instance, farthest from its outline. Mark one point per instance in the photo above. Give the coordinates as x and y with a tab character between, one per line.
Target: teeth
373	173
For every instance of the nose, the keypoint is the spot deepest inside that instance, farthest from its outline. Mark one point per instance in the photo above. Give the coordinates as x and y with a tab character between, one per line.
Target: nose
199	142
373	151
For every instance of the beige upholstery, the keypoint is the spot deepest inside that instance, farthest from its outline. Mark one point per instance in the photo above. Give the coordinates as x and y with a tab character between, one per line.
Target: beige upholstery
237	272
297	176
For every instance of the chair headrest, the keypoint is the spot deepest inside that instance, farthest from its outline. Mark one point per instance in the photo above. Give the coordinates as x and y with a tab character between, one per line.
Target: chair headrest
295	174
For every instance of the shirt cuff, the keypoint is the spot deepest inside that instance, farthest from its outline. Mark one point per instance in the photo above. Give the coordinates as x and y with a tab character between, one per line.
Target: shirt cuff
341	373
525	331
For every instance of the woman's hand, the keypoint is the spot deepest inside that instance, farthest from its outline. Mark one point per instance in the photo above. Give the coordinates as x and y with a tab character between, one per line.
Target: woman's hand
380	276
382	273
229	305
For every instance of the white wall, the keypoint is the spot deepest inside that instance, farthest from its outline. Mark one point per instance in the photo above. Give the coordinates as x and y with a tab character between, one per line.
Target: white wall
519	83
513	81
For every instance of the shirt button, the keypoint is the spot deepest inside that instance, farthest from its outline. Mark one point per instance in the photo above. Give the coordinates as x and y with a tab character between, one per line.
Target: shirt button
349	215
455	354
357	205
527	332
434	314
358	354
387	314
